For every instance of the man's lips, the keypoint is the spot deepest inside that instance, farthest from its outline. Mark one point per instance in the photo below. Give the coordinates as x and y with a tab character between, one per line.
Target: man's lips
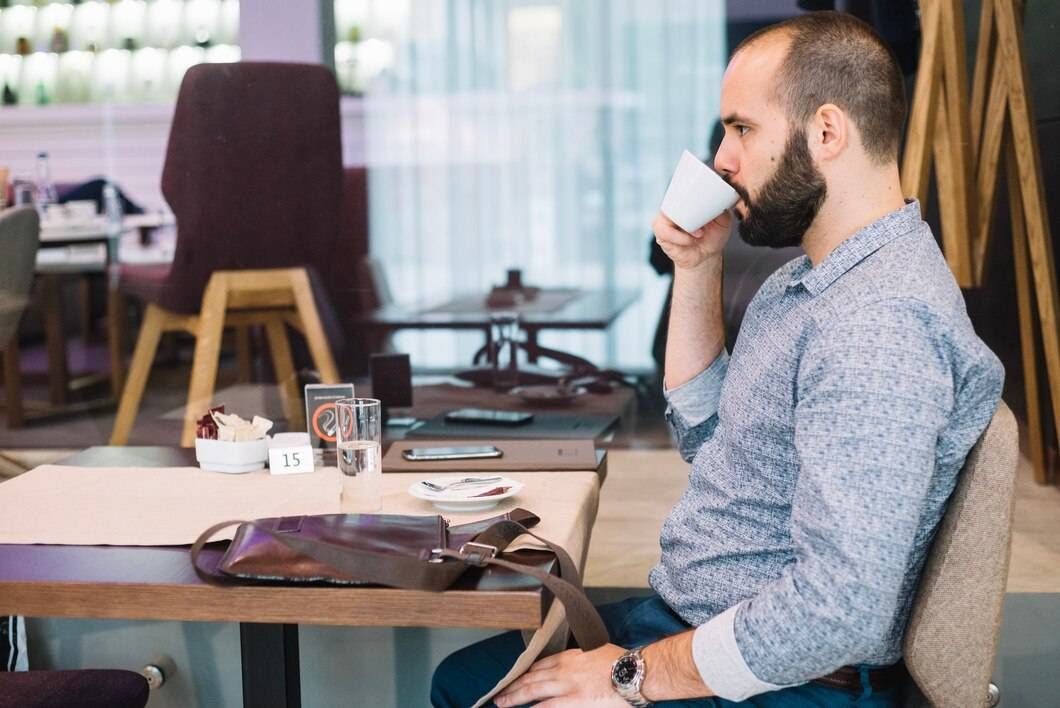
741	203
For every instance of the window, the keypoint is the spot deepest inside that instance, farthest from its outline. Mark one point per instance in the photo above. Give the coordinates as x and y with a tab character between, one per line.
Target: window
531	134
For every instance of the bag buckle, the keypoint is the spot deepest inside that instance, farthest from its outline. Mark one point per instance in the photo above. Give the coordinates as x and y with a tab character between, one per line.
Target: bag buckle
477	554
436	556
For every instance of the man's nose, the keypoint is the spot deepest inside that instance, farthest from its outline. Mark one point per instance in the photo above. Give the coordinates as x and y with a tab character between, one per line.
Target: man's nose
725	159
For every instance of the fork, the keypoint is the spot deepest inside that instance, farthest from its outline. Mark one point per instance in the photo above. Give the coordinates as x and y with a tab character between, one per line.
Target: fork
465	482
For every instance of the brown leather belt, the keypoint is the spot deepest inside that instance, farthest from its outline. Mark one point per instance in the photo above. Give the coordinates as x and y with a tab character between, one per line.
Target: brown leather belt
848	678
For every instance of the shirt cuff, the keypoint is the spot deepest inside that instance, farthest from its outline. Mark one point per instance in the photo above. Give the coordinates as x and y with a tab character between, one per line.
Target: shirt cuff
697	399
720	663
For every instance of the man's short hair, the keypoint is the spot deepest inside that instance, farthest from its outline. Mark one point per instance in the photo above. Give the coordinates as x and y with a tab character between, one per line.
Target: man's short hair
836	58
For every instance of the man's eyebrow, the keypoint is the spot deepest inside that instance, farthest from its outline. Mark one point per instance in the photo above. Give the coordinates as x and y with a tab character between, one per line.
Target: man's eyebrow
736	118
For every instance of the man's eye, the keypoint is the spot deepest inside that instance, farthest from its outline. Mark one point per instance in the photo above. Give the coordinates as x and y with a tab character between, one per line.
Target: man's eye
742	130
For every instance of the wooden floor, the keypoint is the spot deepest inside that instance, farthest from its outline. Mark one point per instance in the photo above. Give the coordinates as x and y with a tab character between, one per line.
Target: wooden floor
642	486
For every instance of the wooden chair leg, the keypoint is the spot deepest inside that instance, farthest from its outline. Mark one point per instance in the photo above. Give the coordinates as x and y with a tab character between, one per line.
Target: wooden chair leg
13	385
243	354
207	353
313	328
55	336
84	301
139	370
283	364
116	314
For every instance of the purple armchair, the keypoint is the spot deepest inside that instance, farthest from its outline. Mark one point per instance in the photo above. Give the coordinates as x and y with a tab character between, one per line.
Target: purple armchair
84	688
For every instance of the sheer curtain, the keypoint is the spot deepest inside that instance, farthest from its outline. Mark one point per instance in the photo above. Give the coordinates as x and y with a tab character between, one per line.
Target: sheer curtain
532	134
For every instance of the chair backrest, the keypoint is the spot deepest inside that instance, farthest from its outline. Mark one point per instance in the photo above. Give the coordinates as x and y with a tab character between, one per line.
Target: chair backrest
374	288
955	622
19	240
253	174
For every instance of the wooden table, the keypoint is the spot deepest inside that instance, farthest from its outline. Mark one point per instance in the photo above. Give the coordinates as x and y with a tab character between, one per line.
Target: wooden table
587	309
435	399
72	251
432	396
158	583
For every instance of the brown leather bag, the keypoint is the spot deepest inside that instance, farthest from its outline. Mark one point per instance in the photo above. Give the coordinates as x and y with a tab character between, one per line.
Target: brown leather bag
411	552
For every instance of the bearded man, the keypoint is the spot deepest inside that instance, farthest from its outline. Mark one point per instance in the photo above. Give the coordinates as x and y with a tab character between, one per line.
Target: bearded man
824	449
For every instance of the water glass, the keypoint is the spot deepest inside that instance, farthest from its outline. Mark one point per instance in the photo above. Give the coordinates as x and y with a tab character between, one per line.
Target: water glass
359	437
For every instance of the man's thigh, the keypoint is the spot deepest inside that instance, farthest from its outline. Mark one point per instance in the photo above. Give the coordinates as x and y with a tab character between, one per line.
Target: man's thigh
466	675
812	695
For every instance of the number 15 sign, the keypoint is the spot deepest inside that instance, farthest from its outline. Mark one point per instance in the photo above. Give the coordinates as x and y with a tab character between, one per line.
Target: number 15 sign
290	453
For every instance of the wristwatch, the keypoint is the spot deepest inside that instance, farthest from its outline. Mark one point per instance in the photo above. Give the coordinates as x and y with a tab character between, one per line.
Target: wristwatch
627	676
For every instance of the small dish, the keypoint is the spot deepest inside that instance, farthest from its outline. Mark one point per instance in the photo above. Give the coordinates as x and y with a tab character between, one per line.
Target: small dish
231	457
548	394
464	498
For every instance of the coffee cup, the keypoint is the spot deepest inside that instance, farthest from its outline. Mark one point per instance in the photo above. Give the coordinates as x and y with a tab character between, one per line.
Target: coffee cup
696	195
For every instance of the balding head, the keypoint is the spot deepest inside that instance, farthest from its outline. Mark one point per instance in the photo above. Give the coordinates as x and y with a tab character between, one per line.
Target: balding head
833	57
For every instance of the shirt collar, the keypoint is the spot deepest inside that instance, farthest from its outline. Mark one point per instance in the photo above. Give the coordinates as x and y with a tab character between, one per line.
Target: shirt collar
856	248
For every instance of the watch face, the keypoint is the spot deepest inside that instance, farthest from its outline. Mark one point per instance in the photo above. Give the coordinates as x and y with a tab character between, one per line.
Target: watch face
625	670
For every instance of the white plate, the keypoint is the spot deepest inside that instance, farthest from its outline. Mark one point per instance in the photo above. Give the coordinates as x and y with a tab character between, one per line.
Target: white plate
464	499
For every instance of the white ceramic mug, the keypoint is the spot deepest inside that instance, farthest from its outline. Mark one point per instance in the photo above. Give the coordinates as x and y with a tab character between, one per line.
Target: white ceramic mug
696	195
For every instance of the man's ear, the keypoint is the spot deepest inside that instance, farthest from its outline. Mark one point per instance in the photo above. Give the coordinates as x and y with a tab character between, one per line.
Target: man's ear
829	132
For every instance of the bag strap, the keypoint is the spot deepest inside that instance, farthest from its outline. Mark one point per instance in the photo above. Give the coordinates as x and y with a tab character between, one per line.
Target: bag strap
585	622
431	572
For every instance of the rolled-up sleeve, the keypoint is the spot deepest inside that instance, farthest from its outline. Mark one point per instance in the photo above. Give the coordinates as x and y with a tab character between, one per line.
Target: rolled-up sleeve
720	662
873	394
692	407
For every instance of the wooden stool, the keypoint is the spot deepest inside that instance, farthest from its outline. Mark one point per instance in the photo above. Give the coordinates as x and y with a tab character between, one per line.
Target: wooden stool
272	298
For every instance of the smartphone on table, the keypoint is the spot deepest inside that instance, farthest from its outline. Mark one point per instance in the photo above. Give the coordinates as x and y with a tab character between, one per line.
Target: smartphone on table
426	454
488	417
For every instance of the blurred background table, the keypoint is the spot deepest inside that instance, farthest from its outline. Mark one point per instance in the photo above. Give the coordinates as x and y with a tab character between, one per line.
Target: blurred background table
71	254
566	308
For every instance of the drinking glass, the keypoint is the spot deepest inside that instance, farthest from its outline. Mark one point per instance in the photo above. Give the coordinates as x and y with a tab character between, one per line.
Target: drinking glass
358	439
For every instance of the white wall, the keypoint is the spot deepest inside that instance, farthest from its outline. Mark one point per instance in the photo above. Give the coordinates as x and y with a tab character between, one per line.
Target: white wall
76	137
287	30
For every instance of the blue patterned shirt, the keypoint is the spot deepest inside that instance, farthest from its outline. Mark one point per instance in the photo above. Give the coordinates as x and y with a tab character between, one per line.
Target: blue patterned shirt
823	453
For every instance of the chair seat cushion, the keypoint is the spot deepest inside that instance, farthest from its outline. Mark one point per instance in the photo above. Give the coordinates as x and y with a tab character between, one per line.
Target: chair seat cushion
85	688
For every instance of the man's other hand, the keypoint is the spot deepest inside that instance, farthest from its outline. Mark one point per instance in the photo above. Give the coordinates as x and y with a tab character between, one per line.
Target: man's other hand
689	250
570	678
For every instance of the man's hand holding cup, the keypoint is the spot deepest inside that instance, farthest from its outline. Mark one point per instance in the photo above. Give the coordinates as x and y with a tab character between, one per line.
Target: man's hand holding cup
693	224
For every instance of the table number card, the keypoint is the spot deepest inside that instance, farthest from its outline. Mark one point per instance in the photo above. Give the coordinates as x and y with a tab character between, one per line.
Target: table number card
290	453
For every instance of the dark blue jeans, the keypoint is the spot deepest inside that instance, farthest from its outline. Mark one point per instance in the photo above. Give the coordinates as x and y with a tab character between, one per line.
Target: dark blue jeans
465	676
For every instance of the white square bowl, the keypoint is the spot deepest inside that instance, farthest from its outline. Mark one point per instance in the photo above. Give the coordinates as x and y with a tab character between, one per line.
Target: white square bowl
231	457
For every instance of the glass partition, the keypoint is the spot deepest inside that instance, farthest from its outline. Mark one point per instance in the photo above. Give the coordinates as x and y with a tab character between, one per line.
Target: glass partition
532	134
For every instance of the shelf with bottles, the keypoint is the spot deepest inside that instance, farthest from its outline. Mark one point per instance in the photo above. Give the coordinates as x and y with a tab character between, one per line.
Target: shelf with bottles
126	51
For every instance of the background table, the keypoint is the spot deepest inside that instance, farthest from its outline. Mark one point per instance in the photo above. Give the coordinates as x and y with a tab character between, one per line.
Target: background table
436	399
435	395
158	583
75	251
586	309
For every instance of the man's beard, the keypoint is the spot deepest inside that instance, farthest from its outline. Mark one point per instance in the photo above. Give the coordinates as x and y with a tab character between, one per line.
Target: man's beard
788	203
